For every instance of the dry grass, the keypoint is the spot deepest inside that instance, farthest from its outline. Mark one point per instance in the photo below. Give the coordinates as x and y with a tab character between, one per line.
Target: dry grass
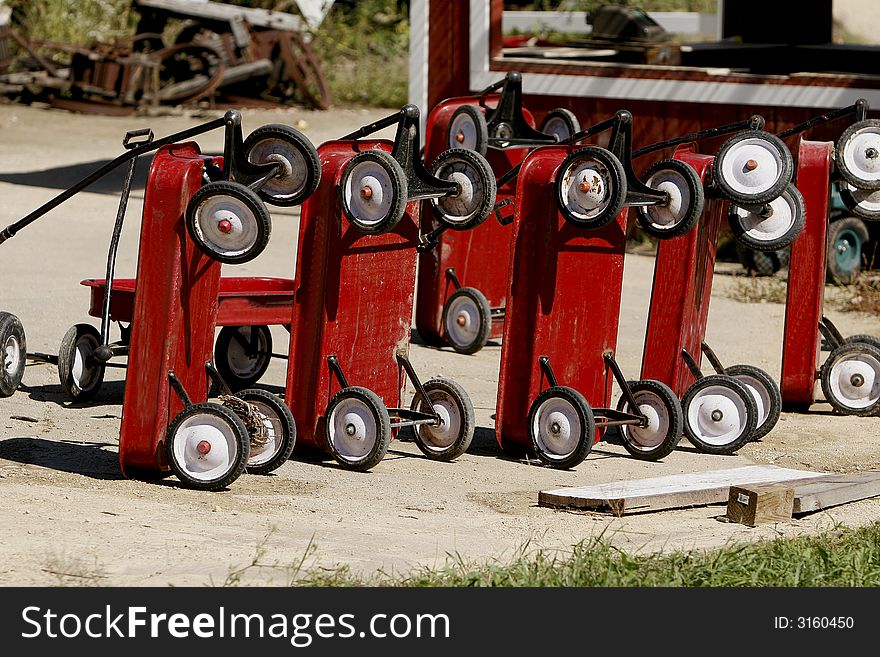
759	289
861	296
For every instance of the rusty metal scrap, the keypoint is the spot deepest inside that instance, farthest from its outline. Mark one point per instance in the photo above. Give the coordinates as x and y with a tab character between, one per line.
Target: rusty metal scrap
223	52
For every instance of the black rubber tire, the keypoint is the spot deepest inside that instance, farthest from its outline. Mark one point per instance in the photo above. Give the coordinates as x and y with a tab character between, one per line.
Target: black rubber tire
772	394
564	116
695	192
237	466
245	196
863	338
311	164
282	418
484	312
481	129
672	405
785	174
465	410
478	171
229	338
615	187
584	440
89	337
382	422
792	196
847	349
12	338
845	172
857	201
840	230
745	398
398	185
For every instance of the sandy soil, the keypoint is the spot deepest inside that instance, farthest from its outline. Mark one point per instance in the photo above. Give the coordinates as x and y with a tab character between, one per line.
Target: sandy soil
69	516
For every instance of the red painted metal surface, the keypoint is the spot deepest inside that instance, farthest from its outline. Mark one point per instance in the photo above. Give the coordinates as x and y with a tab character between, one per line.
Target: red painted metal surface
480	257
175	307
563	300
806	278
681	290
353	299
242	301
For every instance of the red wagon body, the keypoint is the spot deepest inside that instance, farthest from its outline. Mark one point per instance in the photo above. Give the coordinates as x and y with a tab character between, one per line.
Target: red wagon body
173	313
478	258
353	299
563	300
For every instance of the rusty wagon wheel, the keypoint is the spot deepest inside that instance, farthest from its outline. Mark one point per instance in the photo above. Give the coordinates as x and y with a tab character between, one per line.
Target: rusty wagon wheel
298	74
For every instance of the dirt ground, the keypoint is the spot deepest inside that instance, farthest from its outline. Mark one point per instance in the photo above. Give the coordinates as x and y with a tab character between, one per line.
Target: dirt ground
69	516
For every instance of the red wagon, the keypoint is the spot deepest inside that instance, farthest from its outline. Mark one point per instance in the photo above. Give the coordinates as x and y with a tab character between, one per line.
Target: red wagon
355	278
462	284
850	374
247	307
563	301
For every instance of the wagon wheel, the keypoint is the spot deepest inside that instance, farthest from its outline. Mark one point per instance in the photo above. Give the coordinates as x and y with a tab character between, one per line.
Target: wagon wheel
188	71
299	73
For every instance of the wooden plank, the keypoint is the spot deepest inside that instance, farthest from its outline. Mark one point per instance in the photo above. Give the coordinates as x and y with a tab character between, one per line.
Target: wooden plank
833	490
216	11
669	492
758	504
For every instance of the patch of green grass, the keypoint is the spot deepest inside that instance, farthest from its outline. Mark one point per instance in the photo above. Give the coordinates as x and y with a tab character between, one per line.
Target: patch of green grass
92	20
840	557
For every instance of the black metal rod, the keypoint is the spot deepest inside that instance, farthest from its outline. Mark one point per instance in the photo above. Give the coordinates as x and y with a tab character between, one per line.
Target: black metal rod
575	138
336	368
222	387
831	333
493	87
544	361
611	363
859	108
178	388
363	131
117	233
620	423
420	390
712	358
692	364
12	229
697	136
450	273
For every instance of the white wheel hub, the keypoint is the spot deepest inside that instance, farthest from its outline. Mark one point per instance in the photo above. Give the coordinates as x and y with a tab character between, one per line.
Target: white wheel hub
864	198
463	132
557	127
262	452
673	184
11	355
292	177
861	154
226	225
462	321
776	222
557	427
448	431
369	193
82	370
752	166
855	380
585	188
760	394
239	360
717	415
657	428
205	446
460	207
353	429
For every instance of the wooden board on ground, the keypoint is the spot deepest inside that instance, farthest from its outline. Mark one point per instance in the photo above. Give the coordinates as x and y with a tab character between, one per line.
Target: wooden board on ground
670	492
833	490
756	504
